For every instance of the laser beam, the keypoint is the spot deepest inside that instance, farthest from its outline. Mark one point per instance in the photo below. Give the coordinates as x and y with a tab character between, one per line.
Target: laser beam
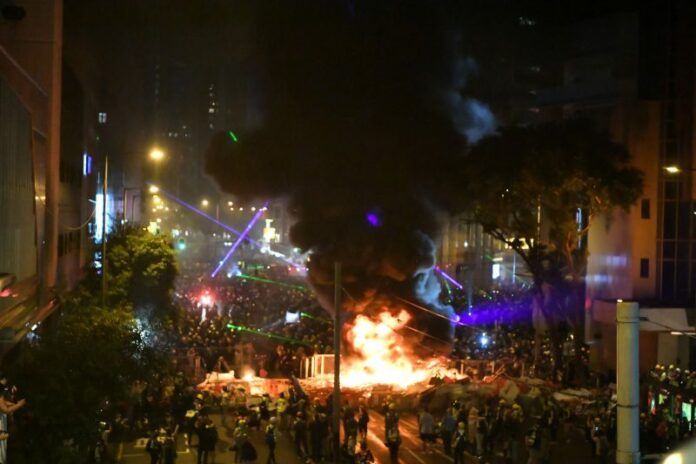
261	333
449	278
239	240
269	281
256	243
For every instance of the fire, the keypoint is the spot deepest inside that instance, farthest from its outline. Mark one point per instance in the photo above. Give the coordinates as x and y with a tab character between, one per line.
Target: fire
381	354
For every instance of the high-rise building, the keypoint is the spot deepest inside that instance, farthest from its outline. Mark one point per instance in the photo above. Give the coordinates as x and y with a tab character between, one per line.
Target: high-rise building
631	71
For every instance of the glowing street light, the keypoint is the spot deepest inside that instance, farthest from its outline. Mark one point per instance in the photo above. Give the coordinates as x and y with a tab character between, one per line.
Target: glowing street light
673	169
204	203
153	189
156	154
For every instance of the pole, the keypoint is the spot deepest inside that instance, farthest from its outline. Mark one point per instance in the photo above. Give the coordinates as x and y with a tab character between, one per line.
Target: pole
337	363
627	388
125	204
103	237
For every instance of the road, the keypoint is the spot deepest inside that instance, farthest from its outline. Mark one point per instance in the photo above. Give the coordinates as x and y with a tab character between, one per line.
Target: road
571	449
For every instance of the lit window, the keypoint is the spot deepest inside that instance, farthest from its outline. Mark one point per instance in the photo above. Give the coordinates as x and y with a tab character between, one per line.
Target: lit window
102	118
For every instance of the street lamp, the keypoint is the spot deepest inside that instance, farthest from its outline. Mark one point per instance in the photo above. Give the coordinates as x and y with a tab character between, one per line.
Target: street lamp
204	203
673	169
156	154
154	189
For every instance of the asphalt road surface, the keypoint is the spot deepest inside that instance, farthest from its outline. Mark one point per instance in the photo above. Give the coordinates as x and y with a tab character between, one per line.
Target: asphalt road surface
571	449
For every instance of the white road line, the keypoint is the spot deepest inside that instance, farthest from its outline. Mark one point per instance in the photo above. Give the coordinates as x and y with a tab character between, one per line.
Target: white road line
441	453
418	458
374	437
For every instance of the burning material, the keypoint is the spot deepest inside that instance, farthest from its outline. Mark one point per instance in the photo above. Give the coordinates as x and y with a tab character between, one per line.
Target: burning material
380	355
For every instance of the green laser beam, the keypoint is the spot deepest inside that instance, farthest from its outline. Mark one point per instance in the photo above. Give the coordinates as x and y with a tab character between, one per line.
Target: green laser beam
233	136
261	333
309	316
269	281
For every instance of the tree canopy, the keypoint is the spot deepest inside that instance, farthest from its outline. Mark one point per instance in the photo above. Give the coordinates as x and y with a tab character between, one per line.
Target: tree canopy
88	356
538	189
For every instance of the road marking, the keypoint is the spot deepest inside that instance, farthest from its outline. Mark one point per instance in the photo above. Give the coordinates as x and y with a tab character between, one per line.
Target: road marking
441	453
418	458
374	437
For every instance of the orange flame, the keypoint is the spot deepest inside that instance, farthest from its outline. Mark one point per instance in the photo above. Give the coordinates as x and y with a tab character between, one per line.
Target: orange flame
381	354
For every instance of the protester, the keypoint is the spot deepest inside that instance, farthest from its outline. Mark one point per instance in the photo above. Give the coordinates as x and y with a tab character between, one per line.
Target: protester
271	439
393	443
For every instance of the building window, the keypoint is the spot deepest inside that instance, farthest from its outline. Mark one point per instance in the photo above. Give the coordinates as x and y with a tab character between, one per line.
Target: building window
644	268
102	118
645	208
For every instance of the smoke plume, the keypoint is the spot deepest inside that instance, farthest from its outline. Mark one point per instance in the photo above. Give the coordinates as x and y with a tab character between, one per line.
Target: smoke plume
364	128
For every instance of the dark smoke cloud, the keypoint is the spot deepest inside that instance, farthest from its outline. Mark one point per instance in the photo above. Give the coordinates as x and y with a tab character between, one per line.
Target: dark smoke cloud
363	115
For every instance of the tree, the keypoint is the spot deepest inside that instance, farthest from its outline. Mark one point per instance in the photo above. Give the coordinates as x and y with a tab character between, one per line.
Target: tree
86	362
141	271
538	189
89	355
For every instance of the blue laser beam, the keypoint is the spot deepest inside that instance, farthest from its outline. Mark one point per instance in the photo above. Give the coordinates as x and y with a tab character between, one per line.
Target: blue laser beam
239	240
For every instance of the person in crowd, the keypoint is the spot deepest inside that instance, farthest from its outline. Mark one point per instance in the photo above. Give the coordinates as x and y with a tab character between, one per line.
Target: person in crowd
460	443
207	439
447	428
426	427
318	434
271	439
240	436
350	425
391	418
282	410
299	430
393	443
363	420
153	447
168	448
481	433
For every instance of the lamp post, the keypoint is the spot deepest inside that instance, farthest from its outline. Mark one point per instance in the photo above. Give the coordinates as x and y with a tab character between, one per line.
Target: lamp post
338	326
103	237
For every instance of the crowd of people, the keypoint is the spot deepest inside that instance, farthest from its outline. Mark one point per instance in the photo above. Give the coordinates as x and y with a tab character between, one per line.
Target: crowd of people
268	327
220	317
668	414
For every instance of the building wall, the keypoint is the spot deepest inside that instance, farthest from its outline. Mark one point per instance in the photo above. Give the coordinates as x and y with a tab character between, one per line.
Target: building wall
30	61
35	44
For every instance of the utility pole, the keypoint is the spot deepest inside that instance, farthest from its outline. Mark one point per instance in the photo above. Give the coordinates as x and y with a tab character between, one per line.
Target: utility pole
338	326
103	237
627	378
